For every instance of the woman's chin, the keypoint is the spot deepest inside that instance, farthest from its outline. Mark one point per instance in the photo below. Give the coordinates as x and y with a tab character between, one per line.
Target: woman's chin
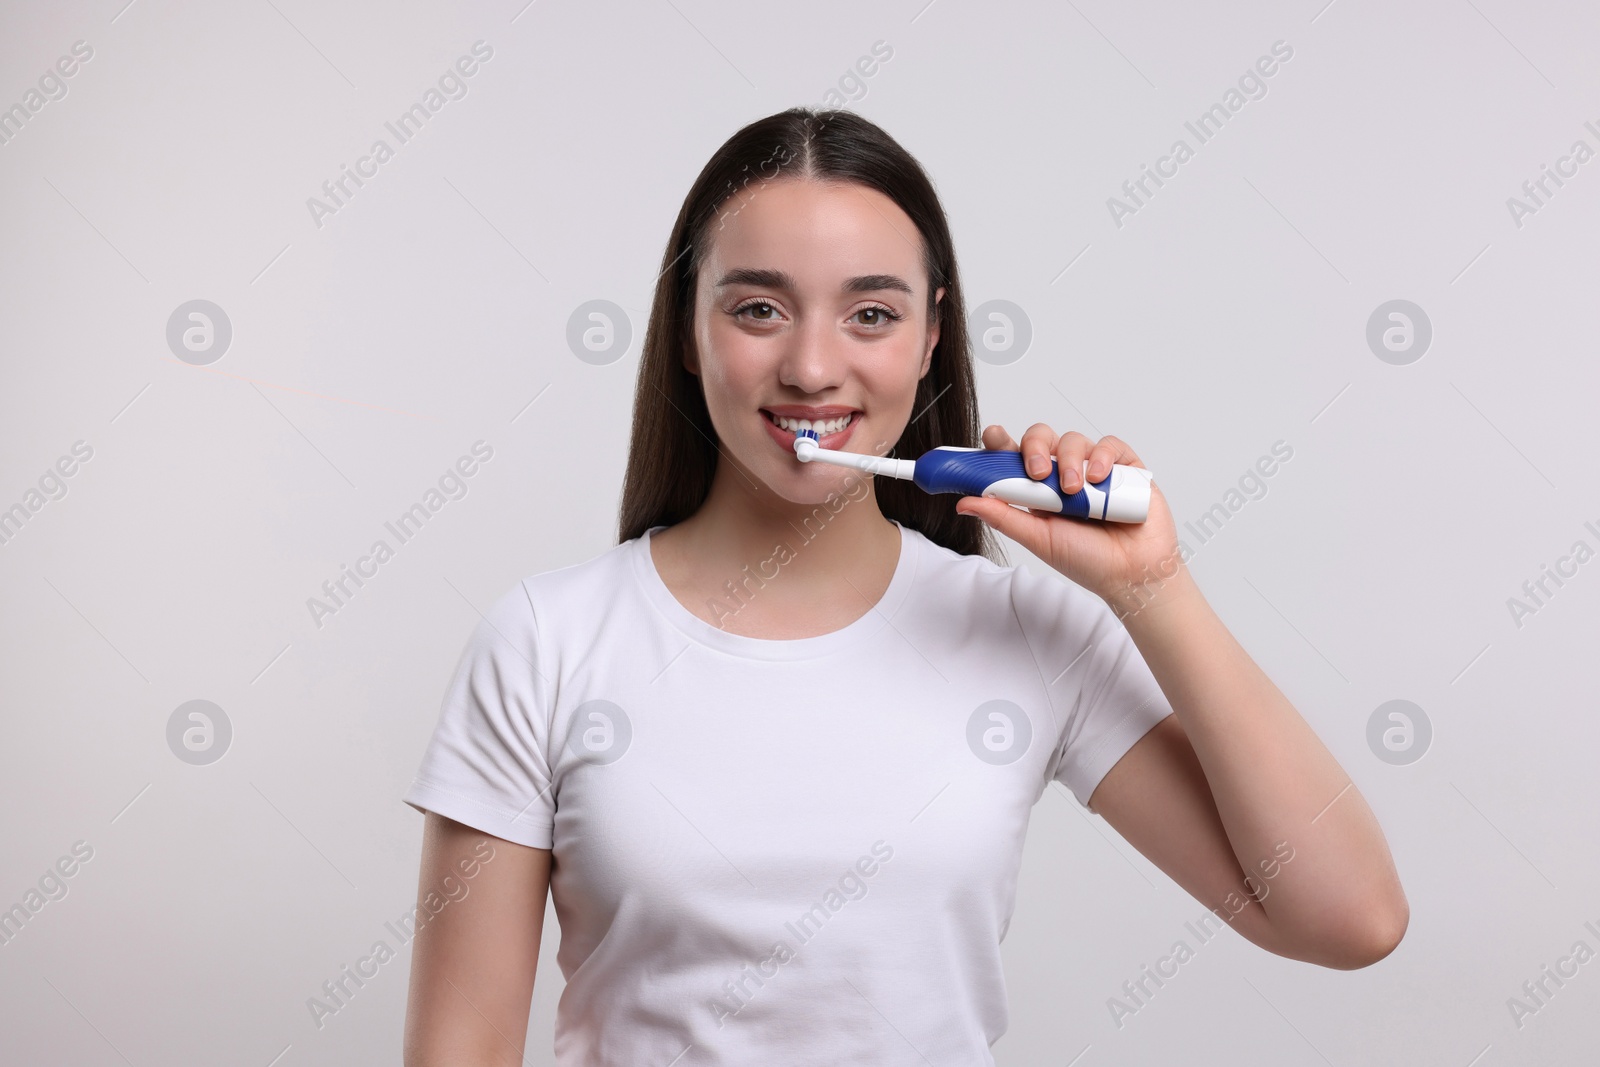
811	485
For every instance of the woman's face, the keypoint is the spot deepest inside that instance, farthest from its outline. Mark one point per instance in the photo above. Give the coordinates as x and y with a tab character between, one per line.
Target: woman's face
811	302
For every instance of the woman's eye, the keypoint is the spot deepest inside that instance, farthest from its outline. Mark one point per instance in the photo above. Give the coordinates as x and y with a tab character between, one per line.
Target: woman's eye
762	311
878	316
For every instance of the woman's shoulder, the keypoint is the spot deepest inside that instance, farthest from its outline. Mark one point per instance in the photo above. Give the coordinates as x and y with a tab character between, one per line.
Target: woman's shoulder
1029	588
610	565
945	575
587	584
947	570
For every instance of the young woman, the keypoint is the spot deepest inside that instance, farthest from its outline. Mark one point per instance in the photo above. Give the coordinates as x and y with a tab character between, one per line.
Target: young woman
773	755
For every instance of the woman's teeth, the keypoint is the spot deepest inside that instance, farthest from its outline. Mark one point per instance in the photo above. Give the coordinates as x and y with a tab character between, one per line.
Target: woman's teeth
823	427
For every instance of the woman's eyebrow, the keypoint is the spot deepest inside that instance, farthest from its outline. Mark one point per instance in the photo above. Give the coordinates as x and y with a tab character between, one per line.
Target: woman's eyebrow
871	282
778	279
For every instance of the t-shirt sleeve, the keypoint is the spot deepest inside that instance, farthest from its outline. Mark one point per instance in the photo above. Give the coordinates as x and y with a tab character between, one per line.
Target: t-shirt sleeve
1101	691
487	764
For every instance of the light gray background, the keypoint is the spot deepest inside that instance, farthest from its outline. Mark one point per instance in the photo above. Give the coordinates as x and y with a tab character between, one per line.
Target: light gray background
368	354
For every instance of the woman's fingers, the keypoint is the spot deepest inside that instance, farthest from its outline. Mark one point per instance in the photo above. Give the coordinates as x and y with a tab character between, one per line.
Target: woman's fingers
995	438
1071	451
1110	450
1039	442
1100	457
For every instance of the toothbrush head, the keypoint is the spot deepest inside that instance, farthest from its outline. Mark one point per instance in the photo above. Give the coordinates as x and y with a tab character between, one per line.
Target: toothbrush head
805	443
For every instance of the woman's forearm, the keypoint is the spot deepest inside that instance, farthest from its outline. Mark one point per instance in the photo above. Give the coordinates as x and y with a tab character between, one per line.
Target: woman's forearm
1339	902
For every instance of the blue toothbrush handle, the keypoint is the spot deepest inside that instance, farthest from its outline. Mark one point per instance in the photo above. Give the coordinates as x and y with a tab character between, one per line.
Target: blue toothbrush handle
1121	496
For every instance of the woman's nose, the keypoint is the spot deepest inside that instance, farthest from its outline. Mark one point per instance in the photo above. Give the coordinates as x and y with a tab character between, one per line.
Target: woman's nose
815	358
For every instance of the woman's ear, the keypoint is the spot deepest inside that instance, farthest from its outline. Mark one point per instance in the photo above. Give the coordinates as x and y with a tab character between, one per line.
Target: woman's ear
933	333
691	358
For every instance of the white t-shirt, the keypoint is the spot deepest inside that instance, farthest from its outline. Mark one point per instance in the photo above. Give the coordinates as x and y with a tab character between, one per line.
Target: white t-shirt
782	851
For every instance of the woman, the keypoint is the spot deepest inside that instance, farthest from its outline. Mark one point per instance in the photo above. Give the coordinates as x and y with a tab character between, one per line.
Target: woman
773	755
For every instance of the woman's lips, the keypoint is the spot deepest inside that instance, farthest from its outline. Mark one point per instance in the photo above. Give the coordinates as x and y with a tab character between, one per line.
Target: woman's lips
834	441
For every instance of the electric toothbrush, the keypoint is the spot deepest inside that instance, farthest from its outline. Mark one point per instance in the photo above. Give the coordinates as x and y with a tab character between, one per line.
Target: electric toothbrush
1121	496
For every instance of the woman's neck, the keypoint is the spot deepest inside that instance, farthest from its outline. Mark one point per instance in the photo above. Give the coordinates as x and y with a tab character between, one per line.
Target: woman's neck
817	567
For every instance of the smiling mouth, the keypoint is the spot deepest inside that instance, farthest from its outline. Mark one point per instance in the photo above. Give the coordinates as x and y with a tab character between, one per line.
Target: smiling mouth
823	427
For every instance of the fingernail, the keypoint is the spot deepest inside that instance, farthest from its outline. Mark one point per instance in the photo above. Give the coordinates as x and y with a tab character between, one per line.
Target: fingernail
1038	466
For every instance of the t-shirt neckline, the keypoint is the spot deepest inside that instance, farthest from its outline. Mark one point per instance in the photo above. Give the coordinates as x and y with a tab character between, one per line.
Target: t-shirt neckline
762	648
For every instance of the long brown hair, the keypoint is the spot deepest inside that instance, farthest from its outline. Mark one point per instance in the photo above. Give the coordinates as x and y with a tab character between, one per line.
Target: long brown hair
672	455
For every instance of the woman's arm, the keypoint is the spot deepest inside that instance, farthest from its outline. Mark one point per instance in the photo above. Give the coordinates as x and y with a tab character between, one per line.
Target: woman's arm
473	961
1236	781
